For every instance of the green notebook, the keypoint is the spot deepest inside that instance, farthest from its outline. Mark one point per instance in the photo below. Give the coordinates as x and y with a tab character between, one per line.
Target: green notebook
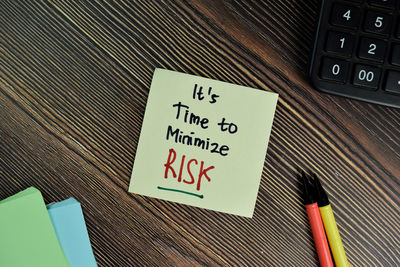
27	237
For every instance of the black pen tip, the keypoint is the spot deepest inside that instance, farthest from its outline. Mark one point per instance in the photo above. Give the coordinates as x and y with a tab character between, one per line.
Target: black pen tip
307	190
321	195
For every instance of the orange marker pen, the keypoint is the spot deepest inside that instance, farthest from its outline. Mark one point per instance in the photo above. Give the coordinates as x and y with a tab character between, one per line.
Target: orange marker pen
317	227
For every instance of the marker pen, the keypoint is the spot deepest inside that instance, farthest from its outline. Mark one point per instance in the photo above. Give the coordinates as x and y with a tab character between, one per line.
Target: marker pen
317	228
331	229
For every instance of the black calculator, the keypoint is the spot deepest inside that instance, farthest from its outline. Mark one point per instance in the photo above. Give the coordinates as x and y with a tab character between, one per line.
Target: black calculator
357	50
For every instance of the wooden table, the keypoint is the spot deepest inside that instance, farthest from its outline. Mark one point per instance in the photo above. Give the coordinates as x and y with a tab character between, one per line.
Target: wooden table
74	80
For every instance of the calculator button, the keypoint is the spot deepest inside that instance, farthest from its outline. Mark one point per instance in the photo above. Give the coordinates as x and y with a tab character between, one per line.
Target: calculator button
334	69
366	76
383	3
398	30
343	15
392	83
341	43
395	57
377	23
372	49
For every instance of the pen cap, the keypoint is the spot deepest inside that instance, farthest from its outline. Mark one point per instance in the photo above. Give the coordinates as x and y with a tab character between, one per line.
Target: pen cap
320	193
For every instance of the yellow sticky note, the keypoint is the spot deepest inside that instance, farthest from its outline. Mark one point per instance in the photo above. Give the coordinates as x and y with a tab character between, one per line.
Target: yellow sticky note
203	142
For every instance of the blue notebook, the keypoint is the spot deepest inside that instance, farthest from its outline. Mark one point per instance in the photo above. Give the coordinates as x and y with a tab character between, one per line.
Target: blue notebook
69	225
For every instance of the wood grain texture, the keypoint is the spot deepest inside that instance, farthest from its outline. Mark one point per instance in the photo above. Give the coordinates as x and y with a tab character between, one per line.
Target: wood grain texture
74	80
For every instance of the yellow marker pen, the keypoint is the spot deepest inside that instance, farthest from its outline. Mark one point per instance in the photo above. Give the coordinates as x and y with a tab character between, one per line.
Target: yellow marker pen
331	229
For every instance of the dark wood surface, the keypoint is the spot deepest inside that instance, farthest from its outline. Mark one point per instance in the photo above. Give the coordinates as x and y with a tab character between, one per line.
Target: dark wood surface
74	80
